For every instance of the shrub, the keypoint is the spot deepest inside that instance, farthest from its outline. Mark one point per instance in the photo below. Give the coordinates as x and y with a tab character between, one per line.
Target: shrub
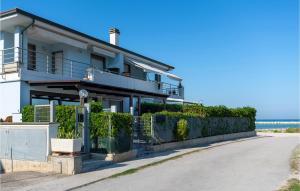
195	108
182	130
96	107
218	111
65	116
158	107
28	113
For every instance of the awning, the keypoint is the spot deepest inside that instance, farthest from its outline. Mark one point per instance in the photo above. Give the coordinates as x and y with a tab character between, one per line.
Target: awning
148	68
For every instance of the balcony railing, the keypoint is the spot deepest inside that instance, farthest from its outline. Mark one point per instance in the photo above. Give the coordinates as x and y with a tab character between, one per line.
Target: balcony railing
14	60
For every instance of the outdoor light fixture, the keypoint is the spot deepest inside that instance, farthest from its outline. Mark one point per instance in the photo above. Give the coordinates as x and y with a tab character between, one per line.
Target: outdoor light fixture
83	94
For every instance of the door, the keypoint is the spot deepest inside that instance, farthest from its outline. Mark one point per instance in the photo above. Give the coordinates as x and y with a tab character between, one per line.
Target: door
57	63
31	57
98	62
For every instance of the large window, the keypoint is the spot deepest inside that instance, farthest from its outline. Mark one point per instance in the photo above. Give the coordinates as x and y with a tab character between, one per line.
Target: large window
98	62
31	57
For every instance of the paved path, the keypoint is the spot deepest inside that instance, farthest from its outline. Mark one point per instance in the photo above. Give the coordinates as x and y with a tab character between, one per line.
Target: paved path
245	164
259	164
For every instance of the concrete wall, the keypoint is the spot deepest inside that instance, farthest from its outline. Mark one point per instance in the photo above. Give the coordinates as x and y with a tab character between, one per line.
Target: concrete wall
67	165
200	141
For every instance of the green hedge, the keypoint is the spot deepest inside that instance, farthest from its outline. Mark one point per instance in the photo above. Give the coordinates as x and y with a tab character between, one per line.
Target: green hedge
203	111
28	113
119	140
66	117
201	122
158	107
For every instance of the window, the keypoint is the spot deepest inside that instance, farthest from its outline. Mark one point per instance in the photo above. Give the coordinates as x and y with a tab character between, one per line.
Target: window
31	57
98	62
39	101
57	62
127	68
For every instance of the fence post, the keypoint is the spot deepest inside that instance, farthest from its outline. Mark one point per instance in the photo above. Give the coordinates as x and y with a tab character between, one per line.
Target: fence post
86	128
76	120
109	133
151	129
52	111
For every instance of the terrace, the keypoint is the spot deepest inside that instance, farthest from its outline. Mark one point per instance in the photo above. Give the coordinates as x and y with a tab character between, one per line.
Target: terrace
32	65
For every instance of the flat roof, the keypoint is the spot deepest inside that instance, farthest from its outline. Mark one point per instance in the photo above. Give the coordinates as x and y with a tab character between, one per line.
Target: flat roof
92	86
25	13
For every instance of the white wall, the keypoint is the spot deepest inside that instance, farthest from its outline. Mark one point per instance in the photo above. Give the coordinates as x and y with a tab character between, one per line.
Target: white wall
10	101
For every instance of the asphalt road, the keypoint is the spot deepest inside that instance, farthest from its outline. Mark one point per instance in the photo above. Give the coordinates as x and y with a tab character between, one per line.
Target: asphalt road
257	164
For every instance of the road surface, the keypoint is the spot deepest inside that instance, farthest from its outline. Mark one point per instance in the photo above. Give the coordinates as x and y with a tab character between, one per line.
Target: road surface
257	164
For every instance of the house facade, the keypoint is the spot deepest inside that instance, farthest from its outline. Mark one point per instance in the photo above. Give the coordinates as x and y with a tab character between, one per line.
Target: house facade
41	61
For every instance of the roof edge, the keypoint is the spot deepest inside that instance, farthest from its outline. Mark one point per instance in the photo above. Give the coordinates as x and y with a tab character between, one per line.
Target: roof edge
20	11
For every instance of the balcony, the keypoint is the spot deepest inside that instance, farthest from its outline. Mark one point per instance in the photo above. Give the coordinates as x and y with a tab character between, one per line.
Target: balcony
34	65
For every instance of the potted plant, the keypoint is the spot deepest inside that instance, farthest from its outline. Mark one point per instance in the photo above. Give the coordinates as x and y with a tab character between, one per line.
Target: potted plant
69	143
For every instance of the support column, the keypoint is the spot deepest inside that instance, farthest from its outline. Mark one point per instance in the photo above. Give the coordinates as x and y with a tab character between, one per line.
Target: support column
165	102
131	109
24	51
17	44
139	105
1	51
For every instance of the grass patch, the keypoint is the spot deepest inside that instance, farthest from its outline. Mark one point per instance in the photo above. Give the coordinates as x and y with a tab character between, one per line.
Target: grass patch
288	130
292	130
292	185
295	160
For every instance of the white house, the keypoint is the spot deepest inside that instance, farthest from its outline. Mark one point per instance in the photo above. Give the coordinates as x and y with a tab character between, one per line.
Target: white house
41	60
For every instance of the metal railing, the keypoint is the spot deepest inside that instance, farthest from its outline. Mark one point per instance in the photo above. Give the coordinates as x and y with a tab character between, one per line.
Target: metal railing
9	60
13	59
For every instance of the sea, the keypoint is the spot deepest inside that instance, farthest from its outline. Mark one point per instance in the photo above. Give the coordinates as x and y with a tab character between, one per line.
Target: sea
277	123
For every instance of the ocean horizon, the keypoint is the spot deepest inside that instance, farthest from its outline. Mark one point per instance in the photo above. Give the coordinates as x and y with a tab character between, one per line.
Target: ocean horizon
277	123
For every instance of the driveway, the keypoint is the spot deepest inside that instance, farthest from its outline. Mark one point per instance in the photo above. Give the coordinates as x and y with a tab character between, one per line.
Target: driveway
257	164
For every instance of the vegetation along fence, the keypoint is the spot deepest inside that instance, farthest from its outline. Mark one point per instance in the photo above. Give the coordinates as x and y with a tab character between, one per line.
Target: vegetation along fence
109	132
120	132
196	121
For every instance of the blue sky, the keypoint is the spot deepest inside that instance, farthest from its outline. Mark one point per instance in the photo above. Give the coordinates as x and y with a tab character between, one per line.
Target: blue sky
230	52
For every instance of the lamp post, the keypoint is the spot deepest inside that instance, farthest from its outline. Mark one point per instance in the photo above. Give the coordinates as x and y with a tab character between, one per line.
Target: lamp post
85	131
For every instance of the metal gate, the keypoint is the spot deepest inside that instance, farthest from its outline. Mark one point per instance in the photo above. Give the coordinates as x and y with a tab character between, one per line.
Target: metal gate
23	144
142	137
